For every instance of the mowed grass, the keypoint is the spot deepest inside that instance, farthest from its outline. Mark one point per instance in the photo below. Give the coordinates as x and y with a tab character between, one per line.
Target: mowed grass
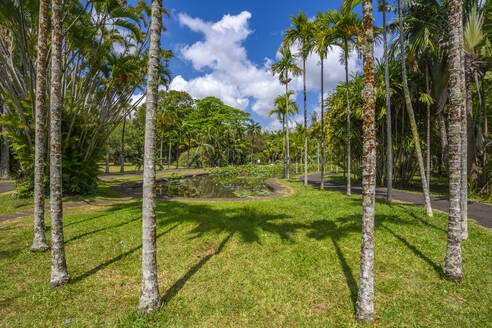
286	262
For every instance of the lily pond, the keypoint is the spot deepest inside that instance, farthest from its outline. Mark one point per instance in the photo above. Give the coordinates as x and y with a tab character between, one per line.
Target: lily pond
212	186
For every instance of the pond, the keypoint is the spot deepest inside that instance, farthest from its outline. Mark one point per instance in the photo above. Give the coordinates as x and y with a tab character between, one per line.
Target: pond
210	186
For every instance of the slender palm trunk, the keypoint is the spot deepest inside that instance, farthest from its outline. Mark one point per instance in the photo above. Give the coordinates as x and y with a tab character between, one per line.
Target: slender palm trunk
365	296
39	239
452	262
161	148
411	116
428	123
349	188
169	152
389	137
150	299
305	126
177	153
317	156
188	154
287	167
122	154
322	185
107	152
283	146
464	140
5	153
444	140
59	273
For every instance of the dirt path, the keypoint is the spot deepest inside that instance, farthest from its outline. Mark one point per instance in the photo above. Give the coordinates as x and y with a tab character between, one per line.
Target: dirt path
136	174
481	213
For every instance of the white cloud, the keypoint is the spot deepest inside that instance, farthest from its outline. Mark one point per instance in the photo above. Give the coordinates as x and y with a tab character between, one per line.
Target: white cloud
233	78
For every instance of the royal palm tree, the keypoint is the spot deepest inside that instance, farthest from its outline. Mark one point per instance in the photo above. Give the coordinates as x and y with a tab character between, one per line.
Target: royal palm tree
284	67
302	34
452	262
411	115
348	26
365	296
150	299
323	39
39	239
59	273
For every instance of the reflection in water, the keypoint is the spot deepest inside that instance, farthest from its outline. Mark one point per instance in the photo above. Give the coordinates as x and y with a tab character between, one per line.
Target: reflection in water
208	186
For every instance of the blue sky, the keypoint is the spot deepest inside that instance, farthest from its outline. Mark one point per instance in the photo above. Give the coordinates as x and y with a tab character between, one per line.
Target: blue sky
225	48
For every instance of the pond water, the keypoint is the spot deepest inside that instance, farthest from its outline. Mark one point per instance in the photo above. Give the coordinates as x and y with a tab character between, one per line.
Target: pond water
209	186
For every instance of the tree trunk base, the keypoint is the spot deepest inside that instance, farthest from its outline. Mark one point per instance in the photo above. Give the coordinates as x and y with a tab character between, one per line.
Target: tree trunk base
39	246
59	279
149	301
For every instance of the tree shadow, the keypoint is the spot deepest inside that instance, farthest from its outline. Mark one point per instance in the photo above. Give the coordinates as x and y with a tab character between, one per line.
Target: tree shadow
421	220
178	285
415	250
88	233
117	258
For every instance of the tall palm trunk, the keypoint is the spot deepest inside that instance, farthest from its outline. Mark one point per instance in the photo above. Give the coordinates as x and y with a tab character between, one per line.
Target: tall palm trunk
122	154
169	150
188	154
464	139
411	115
283	145
287	166
150	299
389	136
428	128
161	148
452	262
5	153
39	239
349	187
305	126
59	273
322	185
365	296
107	152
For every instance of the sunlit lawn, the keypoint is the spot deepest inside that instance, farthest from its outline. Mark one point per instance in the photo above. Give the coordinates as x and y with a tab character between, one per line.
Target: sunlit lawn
287	262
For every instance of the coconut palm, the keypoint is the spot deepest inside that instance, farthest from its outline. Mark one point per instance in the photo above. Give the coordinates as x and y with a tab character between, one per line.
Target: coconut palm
4	152
39	239
411	115
150	299
284	67
254	130
324	37
302	34
59	273
347	25
365	295
452	262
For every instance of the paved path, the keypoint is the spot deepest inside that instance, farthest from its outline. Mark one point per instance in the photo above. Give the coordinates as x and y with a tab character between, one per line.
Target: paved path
15	215
481	213
6	187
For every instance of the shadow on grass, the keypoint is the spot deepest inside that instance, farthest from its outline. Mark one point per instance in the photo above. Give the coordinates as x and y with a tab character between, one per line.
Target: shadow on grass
250	222
88	233
117	258
416	251
178	285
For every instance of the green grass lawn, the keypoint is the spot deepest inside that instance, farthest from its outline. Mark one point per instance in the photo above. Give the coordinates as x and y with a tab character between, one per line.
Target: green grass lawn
286	262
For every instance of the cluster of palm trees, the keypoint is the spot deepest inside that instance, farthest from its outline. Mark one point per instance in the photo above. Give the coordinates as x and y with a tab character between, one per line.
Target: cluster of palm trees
346	30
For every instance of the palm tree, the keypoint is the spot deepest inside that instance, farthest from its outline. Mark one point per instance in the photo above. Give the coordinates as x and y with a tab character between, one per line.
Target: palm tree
411	115
39	239
365	295
254	130
59	273
347	25
389	136
282	114
285	66
323	39
150	298
302	33
122	154
452	262
5	153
